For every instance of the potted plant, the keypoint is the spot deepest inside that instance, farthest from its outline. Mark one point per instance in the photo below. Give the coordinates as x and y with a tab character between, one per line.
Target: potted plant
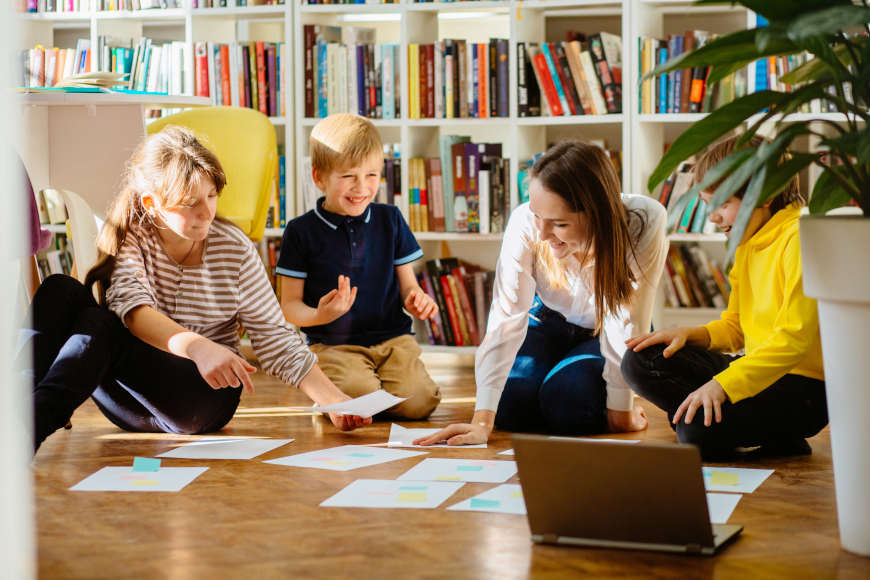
834	249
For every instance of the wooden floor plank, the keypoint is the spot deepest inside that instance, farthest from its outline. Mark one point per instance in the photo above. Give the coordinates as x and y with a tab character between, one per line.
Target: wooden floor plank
249	519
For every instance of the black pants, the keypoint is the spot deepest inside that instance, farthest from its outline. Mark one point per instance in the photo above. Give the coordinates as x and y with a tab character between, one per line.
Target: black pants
77	350
794	407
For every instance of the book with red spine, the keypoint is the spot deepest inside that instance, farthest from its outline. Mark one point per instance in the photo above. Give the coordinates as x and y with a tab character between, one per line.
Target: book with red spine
263	104
452	315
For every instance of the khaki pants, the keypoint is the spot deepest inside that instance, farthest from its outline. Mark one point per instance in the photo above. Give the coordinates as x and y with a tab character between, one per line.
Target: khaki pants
393	365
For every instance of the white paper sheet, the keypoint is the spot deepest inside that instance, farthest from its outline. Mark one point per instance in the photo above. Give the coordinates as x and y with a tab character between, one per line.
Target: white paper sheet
507	498
389	493
125	479
506	452
224	448
344	458
721	505
748	480
365	406
403	437
480	470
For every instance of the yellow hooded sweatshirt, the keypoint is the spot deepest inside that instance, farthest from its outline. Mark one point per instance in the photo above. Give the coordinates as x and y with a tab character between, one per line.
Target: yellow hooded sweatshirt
767	313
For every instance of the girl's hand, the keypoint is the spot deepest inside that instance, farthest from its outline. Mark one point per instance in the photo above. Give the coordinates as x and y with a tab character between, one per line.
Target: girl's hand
336	303
457	434
710	395
420	305
219	366
675	338
627	421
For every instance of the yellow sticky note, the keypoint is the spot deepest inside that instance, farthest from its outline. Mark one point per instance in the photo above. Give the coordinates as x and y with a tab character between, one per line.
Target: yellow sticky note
448	478
144	482
338	463
517	494
724	478
412	496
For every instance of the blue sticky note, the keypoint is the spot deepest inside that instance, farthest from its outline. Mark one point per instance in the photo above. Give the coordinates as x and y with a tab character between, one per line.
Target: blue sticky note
360	454
414	488
469	467
146	464
484	503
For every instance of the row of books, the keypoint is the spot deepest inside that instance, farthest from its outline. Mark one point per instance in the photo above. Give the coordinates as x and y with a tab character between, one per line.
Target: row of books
345	71
242	74
45	67
115	5
53	6
151	67
233	3
688	216
454	78
523	172
693	280
581	76
463	293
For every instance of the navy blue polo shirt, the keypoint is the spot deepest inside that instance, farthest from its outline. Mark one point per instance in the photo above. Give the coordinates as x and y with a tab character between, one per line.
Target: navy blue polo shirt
320	245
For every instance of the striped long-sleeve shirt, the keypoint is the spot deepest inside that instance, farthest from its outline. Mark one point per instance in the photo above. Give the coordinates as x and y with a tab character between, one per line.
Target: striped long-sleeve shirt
228	289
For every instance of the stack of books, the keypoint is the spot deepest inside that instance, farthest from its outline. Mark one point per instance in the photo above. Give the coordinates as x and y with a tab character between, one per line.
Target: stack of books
693	280
463	293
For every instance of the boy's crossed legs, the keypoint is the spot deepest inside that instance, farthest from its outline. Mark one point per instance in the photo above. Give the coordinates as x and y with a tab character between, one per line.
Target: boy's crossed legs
393	365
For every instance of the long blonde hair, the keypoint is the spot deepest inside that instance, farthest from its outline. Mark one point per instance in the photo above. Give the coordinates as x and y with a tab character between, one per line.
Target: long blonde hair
168	165
583	175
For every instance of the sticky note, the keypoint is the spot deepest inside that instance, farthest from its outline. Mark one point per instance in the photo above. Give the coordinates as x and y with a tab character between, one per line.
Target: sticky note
517	494
448	478
361	454
146	464
338	463
724	478
484	503
469	468
144	482
412	496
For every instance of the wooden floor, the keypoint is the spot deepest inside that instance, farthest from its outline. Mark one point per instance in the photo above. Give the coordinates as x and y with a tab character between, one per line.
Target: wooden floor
248	519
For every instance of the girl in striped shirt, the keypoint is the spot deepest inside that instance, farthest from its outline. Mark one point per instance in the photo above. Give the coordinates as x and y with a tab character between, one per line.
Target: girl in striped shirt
176	283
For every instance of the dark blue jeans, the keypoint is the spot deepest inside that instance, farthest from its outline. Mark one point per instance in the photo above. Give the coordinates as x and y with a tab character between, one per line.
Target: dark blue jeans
555	385
794	407
77	350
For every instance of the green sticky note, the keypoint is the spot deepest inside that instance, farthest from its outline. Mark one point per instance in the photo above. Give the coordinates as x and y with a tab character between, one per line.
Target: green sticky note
484	503
360	454
146	464
724	478
469	467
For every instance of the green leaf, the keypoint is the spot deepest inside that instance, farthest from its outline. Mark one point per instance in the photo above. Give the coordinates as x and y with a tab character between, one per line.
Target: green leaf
816	69
718	172
828	21
720	71
724	50
828	194
864	147
710	128
779	176
774	10
747	206
675	212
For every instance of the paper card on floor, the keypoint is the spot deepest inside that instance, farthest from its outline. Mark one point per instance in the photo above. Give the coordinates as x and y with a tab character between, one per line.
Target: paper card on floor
564	438
504	499
479	470
389	493
720	506
125	479
403	437
506	452
344	458
365	406
225	448
736	479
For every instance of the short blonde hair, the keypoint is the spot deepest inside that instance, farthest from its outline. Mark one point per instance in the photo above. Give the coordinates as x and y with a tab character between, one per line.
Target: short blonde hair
343	140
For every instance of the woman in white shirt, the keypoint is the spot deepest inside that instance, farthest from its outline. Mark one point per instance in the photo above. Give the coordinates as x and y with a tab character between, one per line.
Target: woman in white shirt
576	277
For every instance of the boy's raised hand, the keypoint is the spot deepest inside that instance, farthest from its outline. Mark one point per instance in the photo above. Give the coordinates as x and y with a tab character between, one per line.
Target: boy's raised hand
336	302
420	305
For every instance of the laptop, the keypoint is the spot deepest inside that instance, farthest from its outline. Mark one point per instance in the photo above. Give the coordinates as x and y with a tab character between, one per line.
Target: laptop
606	494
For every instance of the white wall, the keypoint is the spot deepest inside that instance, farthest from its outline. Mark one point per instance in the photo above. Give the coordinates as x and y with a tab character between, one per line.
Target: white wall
17	542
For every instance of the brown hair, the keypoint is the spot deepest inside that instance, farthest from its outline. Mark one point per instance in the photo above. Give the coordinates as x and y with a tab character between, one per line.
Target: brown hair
725	147
168	164
583	175
343	140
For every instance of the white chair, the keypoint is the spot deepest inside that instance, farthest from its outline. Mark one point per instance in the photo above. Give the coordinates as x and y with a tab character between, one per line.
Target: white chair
82	227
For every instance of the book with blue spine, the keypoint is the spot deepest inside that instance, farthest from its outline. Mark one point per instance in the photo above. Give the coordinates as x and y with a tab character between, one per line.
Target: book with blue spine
551	67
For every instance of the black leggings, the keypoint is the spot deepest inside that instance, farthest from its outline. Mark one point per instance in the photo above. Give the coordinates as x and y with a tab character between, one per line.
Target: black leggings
81	350
794	407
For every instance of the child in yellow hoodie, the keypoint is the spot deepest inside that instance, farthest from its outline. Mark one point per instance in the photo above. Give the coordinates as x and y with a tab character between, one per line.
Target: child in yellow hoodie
774	395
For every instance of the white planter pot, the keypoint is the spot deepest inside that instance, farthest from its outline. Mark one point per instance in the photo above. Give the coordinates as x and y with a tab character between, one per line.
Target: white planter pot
836	267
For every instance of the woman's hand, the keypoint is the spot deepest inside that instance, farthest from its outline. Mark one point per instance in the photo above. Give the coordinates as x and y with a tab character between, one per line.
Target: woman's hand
457	434
627	421
420	305
219	366
710	395
337	302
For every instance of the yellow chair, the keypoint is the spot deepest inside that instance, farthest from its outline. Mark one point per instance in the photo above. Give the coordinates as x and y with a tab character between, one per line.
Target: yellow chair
244	142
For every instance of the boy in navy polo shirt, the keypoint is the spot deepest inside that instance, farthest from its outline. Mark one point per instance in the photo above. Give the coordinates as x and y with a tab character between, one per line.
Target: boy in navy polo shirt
347	275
